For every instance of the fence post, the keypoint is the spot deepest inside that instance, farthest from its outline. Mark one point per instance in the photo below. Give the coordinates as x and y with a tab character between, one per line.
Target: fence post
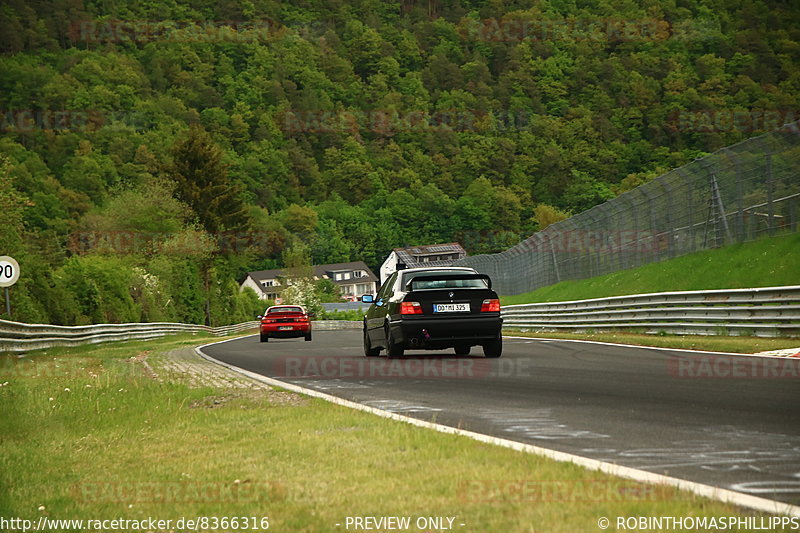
555	260
770	193
652	211
670	216
740	237
690	206
717	198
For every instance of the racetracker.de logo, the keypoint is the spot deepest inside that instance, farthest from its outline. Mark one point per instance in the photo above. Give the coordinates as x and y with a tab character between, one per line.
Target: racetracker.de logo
171	492
731	366
424	367
568	30
388	122
535	491
731	120
148	31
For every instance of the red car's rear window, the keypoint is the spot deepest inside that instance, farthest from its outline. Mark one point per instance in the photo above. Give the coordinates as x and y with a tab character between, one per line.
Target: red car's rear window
285	310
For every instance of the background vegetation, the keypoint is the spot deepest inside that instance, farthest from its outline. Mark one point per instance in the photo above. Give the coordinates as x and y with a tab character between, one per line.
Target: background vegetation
157	169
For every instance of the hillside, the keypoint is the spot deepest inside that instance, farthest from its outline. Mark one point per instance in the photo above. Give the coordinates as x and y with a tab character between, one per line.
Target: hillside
154	152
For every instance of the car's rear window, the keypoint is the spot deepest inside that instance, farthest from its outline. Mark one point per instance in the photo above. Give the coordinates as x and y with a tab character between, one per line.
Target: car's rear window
285	310
444	284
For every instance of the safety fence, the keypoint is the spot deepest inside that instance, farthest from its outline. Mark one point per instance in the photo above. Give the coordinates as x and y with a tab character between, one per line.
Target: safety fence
20	337
736	194
763	312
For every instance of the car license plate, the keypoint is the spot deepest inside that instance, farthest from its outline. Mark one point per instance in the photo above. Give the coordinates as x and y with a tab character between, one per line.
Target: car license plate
285	327
451	308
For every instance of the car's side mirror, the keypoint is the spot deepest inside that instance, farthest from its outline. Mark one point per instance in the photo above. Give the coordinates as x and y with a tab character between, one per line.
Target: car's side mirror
312	315
367	298
259	317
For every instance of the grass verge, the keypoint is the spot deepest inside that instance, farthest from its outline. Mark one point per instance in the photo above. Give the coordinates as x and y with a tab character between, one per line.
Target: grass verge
712	343
91	433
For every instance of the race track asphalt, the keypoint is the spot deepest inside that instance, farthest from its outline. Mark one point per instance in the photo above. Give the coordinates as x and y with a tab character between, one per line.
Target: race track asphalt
727	421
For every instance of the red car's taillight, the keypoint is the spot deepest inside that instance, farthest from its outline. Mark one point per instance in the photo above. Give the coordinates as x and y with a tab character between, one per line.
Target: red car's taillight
490	306
410	308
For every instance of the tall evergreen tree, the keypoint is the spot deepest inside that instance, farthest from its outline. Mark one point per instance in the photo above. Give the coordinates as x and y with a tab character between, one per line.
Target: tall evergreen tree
203	183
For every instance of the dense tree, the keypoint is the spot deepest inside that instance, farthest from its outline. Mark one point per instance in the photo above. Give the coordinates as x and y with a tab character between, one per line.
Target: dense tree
349	127
12	206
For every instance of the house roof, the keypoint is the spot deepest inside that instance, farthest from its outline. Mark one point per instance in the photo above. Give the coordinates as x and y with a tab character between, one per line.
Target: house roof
321	271
406	255
265	274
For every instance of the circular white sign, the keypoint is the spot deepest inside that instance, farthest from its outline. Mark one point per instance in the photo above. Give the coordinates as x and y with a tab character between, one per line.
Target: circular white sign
9	271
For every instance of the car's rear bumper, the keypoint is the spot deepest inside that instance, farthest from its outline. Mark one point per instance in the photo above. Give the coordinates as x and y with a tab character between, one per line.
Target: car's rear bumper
298	330
446	332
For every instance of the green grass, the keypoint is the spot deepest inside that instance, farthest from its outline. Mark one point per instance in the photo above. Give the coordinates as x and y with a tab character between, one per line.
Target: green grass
767	262
89	434
714	343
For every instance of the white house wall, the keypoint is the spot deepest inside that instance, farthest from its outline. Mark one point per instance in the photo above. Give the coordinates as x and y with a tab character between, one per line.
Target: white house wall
388	267
249	282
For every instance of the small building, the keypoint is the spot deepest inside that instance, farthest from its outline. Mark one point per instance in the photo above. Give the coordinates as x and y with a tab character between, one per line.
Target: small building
421	256
354	279
264	282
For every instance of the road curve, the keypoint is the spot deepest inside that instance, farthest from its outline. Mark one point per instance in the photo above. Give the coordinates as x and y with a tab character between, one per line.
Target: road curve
722	420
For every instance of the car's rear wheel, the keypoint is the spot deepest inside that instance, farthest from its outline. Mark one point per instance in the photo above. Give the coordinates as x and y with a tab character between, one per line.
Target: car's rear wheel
264	337
463	349
369	351
494	349
308	336
393	349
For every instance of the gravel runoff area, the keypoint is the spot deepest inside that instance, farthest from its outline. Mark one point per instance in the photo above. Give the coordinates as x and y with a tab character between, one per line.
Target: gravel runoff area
183	365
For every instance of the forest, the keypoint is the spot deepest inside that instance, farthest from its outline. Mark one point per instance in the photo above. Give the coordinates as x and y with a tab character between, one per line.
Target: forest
152	153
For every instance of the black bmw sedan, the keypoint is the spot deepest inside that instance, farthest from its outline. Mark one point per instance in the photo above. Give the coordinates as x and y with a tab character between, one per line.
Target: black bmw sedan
433	309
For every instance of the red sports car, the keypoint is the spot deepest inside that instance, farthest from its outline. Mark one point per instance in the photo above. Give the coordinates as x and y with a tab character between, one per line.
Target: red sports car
283	321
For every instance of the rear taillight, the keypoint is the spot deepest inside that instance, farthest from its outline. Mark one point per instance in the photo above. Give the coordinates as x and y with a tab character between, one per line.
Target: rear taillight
410	308
490	306
267	320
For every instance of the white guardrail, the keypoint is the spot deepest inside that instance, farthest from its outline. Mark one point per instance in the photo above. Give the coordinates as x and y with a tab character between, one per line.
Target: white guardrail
763	312
20	337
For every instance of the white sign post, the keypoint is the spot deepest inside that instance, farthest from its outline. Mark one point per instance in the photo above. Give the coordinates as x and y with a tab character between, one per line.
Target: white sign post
9	274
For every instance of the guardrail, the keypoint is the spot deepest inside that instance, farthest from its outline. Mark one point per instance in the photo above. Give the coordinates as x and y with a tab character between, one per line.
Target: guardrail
763	312
20	337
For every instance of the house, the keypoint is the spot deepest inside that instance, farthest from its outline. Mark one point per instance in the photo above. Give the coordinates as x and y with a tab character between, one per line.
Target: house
420	256
353	279
264	282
